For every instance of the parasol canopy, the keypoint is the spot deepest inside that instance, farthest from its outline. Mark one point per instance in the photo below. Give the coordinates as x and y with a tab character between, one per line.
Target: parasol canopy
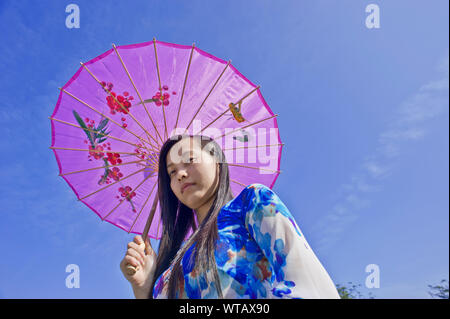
117	110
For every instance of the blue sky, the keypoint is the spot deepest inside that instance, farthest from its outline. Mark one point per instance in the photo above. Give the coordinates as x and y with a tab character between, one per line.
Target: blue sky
363	113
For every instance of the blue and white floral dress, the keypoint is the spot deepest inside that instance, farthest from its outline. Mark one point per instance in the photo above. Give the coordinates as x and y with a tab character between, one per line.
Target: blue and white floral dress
260	253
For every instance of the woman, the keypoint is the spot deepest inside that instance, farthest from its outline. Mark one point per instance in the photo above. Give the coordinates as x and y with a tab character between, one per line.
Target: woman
244	247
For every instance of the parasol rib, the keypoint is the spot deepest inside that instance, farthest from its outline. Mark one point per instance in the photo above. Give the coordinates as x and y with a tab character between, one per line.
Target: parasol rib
123	200
242	99
160	89
209	93
184	86
252	167
139	94
119	103
99	133
99	151
98	190
252	146
237	182
88	150
140	138
213	121
241	128
93	168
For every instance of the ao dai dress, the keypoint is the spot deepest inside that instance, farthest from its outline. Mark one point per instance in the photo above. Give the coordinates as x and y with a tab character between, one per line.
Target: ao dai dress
260	253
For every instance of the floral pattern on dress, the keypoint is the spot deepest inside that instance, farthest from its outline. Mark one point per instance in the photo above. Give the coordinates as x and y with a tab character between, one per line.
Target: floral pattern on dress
260	253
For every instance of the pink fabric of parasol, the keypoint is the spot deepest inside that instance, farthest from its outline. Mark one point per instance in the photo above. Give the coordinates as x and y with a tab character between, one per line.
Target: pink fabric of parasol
114	114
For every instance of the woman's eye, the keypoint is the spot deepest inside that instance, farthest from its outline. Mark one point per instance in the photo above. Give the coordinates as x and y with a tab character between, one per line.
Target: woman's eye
191	159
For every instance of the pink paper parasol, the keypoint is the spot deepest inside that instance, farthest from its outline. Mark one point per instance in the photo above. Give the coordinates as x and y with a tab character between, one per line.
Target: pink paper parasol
114	114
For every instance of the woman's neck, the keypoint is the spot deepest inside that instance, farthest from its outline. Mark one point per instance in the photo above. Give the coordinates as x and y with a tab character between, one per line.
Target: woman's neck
203	210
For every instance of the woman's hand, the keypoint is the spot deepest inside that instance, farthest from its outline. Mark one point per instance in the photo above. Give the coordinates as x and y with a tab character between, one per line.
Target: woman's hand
142	256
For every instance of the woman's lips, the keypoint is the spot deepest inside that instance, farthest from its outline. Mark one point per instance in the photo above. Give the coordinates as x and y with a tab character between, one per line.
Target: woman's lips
186	187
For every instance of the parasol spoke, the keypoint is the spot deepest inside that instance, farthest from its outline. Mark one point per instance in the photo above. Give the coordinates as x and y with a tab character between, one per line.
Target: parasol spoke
120	104
213	121
209	93
241	128
145	203
251	146
140	138
243	98
139	94
120	203
102	151
93	168
89	150
237	182
98	190
160	89
99	133
253	167
184	86
228	109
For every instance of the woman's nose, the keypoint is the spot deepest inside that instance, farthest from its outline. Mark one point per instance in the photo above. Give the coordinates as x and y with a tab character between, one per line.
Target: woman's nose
181	174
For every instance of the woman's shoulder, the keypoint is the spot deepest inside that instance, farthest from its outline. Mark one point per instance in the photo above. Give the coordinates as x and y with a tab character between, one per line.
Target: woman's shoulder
257	186
257	189
250	196
257	193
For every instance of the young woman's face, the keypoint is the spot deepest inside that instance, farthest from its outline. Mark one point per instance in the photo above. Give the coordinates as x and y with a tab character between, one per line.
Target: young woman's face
186	164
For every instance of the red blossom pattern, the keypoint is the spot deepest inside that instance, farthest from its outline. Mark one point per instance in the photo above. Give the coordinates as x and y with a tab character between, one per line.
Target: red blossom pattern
93	153
115	101
113	158
115	173
138	150
118	103
126	192
162	99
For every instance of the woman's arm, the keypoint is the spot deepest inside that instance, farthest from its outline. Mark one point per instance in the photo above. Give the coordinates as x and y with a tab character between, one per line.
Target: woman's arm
141	292
298	271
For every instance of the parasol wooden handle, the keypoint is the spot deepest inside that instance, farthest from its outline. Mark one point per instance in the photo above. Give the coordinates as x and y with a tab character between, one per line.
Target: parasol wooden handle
130	269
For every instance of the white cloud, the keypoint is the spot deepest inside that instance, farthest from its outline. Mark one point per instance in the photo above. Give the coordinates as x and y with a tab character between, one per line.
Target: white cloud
398	134
375	169
410	124
436	85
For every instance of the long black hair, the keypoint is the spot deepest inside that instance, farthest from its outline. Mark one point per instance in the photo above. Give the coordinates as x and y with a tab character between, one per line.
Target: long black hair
178	219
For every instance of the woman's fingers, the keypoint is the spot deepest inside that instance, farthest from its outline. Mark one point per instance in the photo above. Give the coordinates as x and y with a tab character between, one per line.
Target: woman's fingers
139	248
138	240
132	261
136	254
148	246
